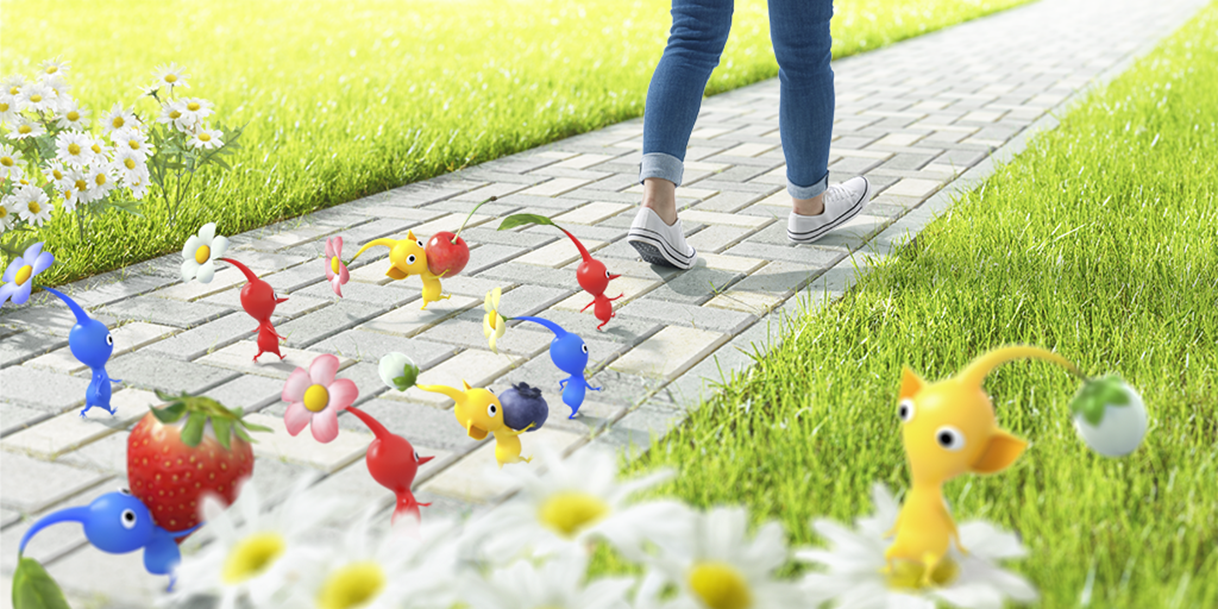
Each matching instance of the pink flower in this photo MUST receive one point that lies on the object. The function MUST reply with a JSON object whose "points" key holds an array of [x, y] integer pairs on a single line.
{"points": [[316, 397], [336, 271]]}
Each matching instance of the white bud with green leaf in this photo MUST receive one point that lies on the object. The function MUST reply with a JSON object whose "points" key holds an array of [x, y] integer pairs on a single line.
{"points": [[1110, 416], [398, 371]]}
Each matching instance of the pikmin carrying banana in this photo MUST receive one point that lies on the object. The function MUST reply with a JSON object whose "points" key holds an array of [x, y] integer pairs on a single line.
{"points": [[949, 429], [480, 412], [409, 257]]}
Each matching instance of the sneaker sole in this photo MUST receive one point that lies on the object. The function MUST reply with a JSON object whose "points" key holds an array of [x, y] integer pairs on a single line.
{"points": [[654, 251], [813, 235]]}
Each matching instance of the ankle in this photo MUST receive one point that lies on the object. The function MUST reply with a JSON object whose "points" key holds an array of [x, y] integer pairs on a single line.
{"points": [[660, 196], [809, 207]]}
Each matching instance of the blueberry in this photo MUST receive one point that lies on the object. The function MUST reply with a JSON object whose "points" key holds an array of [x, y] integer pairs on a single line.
{"points": [[522, 405]]}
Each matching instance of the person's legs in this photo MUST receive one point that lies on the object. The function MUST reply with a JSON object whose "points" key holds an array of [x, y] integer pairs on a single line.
{"points": [[699, 32], [799, 30]]}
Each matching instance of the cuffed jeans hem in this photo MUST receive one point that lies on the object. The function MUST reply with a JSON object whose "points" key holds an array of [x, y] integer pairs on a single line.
{"points": [[661, 165], [807, 192]]}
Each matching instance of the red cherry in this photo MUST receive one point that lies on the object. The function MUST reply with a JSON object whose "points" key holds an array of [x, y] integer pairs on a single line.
{"points": [[444, 255]]}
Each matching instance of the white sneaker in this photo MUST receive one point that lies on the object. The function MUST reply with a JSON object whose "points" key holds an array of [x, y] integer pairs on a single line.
{"points": [[842, 202], [659, 243]]}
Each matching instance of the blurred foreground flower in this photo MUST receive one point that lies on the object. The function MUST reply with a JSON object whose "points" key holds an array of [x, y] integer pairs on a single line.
{"points": [[852, 576], [559, 583]]}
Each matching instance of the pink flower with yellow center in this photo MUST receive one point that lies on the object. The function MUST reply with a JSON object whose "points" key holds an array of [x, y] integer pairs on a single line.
{"points": [[336, 271], [316, 398]]}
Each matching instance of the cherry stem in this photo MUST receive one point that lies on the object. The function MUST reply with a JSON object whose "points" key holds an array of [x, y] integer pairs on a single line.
{"points": [[471, 214]]}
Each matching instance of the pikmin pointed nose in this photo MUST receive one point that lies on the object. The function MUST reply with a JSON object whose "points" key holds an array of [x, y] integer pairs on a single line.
{"points": [[423, 460]]}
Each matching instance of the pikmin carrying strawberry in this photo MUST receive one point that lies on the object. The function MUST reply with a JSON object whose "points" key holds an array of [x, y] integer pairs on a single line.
{"points": [[191, 447]]}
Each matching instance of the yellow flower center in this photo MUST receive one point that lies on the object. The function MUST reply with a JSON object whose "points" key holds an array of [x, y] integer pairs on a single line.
{"points": [[96, 148], [34, 207], [7, 161], [73, 148], [57, 173], [23, 274], [3, 107], [35, 98], [202, 254], [569, 512], [118, 122], [493, 318], [334, 264], [720, 586], [100, 179], [354, 585], [175, 114], [251, 556], [316, 398], [205, 137], [24, 129], [171, 78], [3, 212], [67, 194], [129, 163], [192, 106], [52, 69], [73, 115], [133, 144], [13, 90], [81, 185], [907, 575]]}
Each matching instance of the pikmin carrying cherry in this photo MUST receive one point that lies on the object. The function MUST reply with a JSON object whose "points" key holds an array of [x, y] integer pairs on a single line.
{"points": [[592, 274]]}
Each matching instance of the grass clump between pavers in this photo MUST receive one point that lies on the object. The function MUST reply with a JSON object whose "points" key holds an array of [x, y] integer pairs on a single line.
{"points": [[1098, 242], [345, 100]]}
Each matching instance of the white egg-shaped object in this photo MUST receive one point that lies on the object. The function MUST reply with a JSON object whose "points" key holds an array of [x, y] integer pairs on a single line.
{"points": [[394, 365], [1120, 431]]}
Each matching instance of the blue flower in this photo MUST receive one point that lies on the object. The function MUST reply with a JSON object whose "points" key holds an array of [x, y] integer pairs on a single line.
{"points": [[19, 278]]}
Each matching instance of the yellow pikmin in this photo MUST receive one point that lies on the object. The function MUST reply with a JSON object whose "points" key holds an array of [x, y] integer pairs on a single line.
{"points": [[949, 429], [408, 257], [480, 413]]}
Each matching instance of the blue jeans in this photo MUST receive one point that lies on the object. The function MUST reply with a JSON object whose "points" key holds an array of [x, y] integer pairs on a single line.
{"points": [[799, 30]]}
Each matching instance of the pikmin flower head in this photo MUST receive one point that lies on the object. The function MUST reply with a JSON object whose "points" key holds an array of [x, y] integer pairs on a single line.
{"points": [[336, 271], [200, 253], [20, 274], [316, 398]]}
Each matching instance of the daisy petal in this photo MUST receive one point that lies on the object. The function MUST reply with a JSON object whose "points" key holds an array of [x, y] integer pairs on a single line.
{"points": [[207, 271], [342, 394], [190, 268], [219, 246], [323, 369], [298, 383], [297, 418], [207, 233], [325, 425], [191, 246]]}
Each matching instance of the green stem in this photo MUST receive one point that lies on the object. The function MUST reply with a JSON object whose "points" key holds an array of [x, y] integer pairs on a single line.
{"points": [[471, 214]]}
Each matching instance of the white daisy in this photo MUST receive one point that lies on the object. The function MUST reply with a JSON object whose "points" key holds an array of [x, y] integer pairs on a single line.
{"points": [[578, 501], [53, 67], [102, 180], [77, 190], [200, 252], [391, 569], [721, 567], [195, 110], [205, 139], [132, 139], [129, 164], [119, 118], [32, 205], [37, 97], [171, 76], [59, 86], [557, 584], [149, 90], [261, 555], [853, 578], [100, 149], [10, 163], [171, 113], [74, 148], [139, 187], [8, 107], [12, 84], [72, 116], [7, 216], [23, 127], [55, 172]]}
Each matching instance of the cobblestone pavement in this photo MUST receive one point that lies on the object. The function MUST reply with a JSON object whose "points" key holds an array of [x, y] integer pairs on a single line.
{"points": [[922, 119]]}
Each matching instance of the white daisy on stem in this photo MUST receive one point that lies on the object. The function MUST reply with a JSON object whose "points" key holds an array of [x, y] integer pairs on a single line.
{"points": [[101, 181], [77, 190], [119, 118], [130, 165], [576, 503], [32, 205], [171, 113], [10, 163], [52, 67], [263, 555], [12, 84], [171, 76], [200, 253], [394, 571], [559, 583], [205, 139], [74, 148], [100, 149], [37, 97], [56, 173], [721, 568], [23, 127], [7, 217], [72, 116], [132, 139], [59, 86], [194, 110], [852, 577], [8, 107]]}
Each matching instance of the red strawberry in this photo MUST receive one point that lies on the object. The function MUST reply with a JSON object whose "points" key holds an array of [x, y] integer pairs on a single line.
{"points": [[172, 463]]}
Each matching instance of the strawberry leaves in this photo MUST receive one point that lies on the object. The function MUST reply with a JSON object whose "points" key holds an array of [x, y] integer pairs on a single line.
{"points": [[199, 411]]}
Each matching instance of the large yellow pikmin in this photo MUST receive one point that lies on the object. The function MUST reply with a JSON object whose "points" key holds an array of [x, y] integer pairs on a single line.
{"points": [[949, 429], [409, 257], [480, 413]]}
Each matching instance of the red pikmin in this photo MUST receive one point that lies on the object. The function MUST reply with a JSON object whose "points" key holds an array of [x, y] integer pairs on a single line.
{"points": [[594, 278], [259, 300], [393, 463]]}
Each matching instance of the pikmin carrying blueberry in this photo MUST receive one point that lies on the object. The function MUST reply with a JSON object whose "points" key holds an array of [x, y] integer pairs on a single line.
{"points": [[949, 429]]}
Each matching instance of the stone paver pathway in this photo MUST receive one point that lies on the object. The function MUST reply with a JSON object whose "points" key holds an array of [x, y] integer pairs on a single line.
{"points": [[922, 119]]}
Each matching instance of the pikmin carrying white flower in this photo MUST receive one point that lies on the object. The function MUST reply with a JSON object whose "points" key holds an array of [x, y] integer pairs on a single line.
{"points": [[580, 501], [850, 574]]}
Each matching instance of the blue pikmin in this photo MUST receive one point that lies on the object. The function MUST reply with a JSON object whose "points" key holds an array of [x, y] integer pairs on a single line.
{"points": [[92, 344], [119, 523], [569, 352]]}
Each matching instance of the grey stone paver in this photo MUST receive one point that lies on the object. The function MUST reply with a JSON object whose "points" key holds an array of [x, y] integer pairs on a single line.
{"points": [[925, 119]]}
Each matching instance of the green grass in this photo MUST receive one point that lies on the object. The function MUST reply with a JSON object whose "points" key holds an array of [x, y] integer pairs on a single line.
{"points": [[347, 99], [1097, 242]]}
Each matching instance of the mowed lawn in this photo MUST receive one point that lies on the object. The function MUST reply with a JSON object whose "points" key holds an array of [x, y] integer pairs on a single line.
{"points": [[345, 99], [1098, 242]]}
